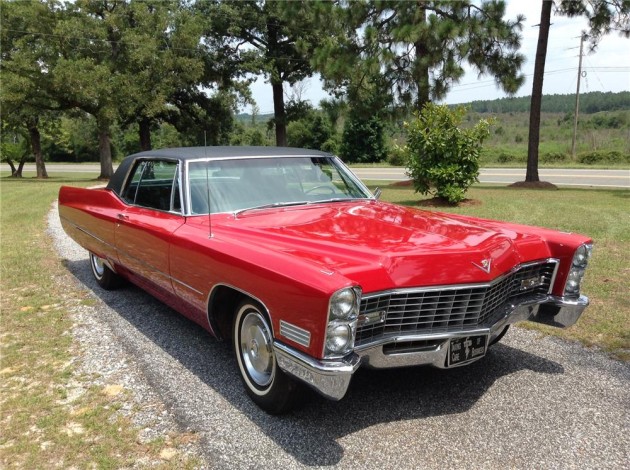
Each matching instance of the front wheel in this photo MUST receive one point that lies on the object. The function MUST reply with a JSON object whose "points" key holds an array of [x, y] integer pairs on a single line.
{"points": [[499, 336], [269, 387], [105, 277]]}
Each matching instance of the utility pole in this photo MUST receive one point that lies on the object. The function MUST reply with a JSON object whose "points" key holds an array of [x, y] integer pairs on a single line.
{"points": [[577, 96]]}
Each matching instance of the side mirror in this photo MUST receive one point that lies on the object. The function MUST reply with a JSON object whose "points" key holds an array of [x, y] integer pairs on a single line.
{"points": [[377, 193]]}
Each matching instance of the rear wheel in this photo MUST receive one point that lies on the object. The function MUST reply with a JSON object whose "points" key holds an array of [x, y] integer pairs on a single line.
{"points": [[105, 277], [268, 386]]}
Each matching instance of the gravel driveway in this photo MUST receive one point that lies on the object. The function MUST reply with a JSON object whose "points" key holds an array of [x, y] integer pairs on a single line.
{"points": [[533, 402]]}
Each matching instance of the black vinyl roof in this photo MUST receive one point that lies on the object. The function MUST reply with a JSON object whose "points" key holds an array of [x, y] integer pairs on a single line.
{"points": [[186, 153], [193, 153]]}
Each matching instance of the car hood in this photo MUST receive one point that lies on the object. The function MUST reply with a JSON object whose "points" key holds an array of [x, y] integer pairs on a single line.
{"points": [[384, 246]]}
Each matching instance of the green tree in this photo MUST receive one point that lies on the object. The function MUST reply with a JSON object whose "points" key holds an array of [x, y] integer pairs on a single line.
{"points": [[603, 16], [312, 131], [420, 47], [26, 95], [128, 62], [175, 76], [443, 157], [264, 39], [86, 75], [162, 56]]}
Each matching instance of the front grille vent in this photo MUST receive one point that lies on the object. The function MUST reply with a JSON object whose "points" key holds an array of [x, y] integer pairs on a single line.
{"points": [[450, 308]]}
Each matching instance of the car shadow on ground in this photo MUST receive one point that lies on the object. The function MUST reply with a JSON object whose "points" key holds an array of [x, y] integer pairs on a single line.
{"points": [[311, 433]]}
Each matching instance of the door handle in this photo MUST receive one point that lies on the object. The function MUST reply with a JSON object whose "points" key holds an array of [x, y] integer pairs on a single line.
{"points": [[123, 217]]}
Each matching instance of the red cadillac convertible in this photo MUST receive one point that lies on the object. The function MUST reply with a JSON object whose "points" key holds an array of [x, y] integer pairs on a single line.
{"points": [[287, 254]]}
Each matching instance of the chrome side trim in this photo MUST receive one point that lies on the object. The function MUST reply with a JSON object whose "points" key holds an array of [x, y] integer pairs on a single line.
{"points": [[107, 262], [295, 333], [189, 287], [329, 378], [145, 264], [87, 232]]}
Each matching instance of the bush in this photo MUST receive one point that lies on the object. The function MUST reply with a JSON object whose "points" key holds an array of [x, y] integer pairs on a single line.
{"points": [[311, 131], [397, 156], [443, 157], [613, 156], [553, 157], [363, 140]]}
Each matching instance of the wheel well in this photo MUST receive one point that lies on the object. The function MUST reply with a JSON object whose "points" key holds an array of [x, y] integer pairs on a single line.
{"points": [[222, 307]]}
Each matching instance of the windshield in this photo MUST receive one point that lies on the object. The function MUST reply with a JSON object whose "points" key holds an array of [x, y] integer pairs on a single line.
{"points": [[232, 185]]}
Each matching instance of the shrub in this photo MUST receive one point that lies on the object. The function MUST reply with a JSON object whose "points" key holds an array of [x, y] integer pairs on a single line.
{"points": [[363, 140], [443, 158], [397, 156], [310, 131], [553, 157], [613, 156]]}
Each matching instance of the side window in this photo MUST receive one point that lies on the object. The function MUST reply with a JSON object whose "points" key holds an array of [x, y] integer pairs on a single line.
{"points": [[129, 194], [154, 184]]}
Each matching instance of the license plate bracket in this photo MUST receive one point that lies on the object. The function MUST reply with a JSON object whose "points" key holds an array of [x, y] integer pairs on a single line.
{"points": [[465, 349]]}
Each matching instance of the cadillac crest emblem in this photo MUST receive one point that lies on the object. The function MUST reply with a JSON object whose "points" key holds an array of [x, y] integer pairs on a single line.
{"points": [[485, 266]]}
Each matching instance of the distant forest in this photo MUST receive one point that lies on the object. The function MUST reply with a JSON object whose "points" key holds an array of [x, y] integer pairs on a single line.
{"points": [[593, 102], [590, 103]]}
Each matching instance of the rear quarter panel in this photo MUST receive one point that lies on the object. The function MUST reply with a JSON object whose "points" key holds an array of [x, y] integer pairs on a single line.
{"points": [[89, 216]]}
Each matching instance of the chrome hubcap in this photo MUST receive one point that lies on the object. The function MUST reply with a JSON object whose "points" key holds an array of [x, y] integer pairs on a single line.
{"points": [[98, 266], [256, 349]]}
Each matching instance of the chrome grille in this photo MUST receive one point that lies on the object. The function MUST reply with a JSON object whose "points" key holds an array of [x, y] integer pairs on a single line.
{"points": [[451, 308]]}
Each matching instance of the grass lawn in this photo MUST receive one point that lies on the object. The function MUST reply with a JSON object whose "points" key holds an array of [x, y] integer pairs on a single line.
{"points": [[41, 426]]}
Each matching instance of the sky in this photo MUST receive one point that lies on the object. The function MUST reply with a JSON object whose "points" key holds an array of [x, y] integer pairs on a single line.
{"points": [[607, 69]]}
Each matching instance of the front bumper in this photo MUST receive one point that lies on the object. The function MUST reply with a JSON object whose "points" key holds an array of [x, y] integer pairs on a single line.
{"points": [[332, 378], [329, 378]]}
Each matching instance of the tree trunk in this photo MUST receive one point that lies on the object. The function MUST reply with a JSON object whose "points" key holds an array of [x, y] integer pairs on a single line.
{"points": [[36, 146], [10, 163], [537, 88], [420, 69], [20, 168], [104, 149], [421, 77], [145, 134], [279, 114]]}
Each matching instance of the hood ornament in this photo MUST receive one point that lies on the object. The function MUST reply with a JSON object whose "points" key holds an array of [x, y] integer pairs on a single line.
{"points": [[485, 266]]}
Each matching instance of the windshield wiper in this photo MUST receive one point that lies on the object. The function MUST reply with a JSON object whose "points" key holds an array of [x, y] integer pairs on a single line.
{"points": [[338, 199], [271, 206]]}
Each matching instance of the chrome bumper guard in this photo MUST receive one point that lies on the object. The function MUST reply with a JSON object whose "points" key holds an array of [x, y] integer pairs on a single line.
{"points": [[332, 378], [329, 378]]}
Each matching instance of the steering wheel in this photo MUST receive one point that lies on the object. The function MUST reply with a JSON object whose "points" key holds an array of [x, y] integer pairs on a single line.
{"points": [[330, 189]]}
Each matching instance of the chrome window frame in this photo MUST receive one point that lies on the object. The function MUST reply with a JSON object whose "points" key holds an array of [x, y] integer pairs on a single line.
{"points": [[348, 172], [177, 177]]}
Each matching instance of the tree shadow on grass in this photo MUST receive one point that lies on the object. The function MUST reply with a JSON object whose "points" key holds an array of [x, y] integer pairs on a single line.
{"points": [[311, 433]]}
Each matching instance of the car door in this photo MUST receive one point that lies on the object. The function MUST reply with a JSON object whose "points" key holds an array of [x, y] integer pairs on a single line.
{"points": [[145, 228]]}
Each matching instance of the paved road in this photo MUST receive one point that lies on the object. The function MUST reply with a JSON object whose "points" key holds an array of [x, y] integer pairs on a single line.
{"points": [[563, 177], [533, 402], [582, 177]]}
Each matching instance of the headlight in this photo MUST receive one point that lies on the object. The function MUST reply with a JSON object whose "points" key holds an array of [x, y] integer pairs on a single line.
{"points": [[342, 322], [338, 337], [343, 305], [576, 273], [582, 255]]}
